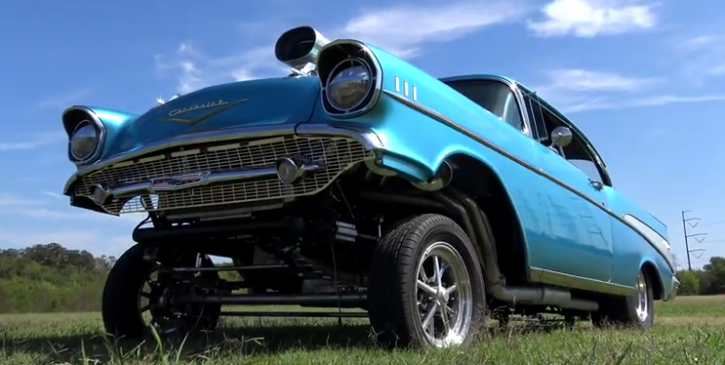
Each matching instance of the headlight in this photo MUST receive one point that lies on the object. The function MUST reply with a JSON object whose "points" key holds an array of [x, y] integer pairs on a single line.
{"points": [[349, 84], [84, 141], [351, 78]]}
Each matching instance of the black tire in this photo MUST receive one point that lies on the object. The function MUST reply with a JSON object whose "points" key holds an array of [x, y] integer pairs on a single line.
{"points": [[121, 295], [393, 280], [623, 311]]}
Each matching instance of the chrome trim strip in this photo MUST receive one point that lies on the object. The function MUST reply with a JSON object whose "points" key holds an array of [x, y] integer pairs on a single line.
{"points": [[442, 119], [377, 86], [94, 119], [368, 138], [577, 282], [147, 187], [664, 248], [203, 137]]}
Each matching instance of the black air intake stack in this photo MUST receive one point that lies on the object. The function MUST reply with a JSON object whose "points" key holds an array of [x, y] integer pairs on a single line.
{"points": [[299, 47]]}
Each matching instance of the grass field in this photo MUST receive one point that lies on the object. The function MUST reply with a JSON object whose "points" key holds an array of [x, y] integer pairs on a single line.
{"points": [[687, 331]]}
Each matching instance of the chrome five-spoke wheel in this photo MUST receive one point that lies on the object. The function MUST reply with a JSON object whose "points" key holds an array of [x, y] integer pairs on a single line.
{"points": [[635, 310], [426, 288], [445, 301], [643, 299]]}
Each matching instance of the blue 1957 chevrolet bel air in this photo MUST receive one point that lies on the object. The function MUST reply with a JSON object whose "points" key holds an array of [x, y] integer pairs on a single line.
{"points": [[361, 181]]}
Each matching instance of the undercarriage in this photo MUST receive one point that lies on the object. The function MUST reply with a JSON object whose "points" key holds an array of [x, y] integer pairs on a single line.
{"points": [[314, 251], [335, 249]]}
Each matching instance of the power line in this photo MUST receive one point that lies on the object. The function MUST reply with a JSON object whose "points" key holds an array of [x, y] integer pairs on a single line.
{"points": [[713, 241], [713, 223]]}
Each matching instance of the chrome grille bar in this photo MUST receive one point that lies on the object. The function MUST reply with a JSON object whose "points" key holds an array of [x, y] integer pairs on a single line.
{"points": [[337, 154]]}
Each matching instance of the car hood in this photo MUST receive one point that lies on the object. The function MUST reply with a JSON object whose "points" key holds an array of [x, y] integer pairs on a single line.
{"points": [[246, 103]]}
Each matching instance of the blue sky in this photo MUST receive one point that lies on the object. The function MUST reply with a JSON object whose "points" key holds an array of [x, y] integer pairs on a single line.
{"points": [[645, 81]]}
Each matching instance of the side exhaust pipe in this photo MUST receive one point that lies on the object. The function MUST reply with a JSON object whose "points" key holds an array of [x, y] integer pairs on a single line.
{"points": [[298, 47]]}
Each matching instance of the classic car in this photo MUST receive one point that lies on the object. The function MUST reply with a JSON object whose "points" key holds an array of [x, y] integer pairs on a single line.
{"points": [[361, 181]]}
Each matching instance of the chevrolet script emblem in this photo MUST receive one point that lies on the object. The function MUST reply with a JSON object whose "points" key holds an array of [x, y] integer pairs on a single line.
{"points": [[178, 182], [220, 105]]}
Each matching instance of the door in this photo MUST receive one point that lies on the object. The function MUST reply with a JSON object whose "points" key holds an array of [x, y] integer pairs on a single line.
{"points": [[581, 232], [581, 239]]}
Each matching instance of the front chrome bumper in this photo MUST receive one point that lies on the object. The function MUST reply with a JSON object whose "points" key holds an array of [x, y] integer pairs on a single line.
{"points": [[232, 166], [674, 288]]}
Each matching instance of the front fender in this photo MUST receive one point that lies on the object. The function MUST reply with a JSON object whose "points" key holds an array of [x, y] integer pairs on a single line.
{"points": [[421, 122]]}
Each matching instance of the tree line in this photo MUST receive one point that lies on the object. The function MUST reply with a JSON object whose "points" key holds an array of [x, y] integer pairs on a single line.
{"points": [[52, 278], [710, 280]]}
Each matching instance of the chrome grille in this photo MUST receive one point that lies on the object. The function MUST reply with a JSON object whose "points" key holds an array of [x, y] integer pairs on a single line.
{"points": [[337, 153]]}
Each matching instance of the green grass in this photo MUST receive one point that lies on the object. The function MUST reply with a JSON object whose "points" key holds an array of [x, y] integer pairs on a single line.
{"points": [[687, 331]]}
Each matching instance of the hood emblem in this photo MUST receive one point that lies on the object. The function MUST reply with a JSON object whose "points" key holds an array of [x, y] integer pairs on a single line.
{"points": [[220, 105]]}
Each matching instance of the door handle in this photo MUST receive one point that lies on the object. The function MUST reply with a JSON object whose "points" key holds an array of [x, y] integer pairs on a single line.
{"points": [[596, 184]]}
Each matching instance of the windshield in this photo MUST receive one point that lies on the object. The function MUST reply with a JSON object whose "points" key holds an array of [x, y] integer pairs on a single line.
{"points": [[493, 95]]}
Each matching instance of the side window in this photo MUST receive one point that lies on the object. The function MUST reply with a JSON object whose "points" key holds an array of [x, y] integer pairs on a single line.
{"points": [[588, 167], [578, 153], [495, 96], [536, 116]]}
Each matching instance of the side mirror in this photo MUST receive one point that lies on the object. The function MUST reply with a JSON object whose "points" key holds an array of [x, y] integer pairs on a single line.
{"points": [[561, 137]]}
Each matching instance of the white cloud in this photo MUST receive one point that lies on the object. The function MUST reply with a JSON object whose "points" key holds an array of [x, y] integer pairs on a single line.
{"points": [[53, 194], [656, 100], [702, 42], [576, 90], [39, 209], [587, 80], [72, 214], [402, 30], [702, 55], [65, 100], [194, 69], [38, 140], [590, 18], [573, 89], [11, 201]]}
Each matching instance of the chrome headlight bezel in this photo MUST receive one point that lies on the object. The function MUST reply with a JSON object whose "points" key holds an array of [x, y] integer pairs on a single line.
{"points": [[79, 118], [332, 61]]}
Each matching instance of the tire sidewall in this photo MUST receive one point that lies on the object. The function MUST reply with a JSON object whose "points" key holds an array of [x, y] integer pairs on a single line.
{"points": [[452, 234], [633, 303], [125, 281]]}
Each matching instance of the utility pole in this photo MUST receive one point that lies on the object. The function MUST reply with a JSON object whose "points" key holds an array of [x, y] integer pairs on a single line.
{"points": [[699, 237]]}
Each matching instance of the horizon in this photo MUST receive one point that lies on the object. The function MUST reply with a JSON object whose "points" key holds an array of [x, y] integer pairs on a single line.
{"points": [[643, 81]]}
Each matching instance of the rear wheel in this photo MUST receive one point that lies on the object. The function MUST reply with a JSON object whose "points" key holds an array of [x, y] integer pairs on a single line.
{"points": [[426, 288], [636, 310]]}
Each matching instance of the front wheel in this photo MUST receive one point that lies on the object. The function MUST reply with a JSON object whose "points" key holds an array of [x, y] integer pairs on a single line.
{"points": [[636, 310], [138, 294], [425, 286]]}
